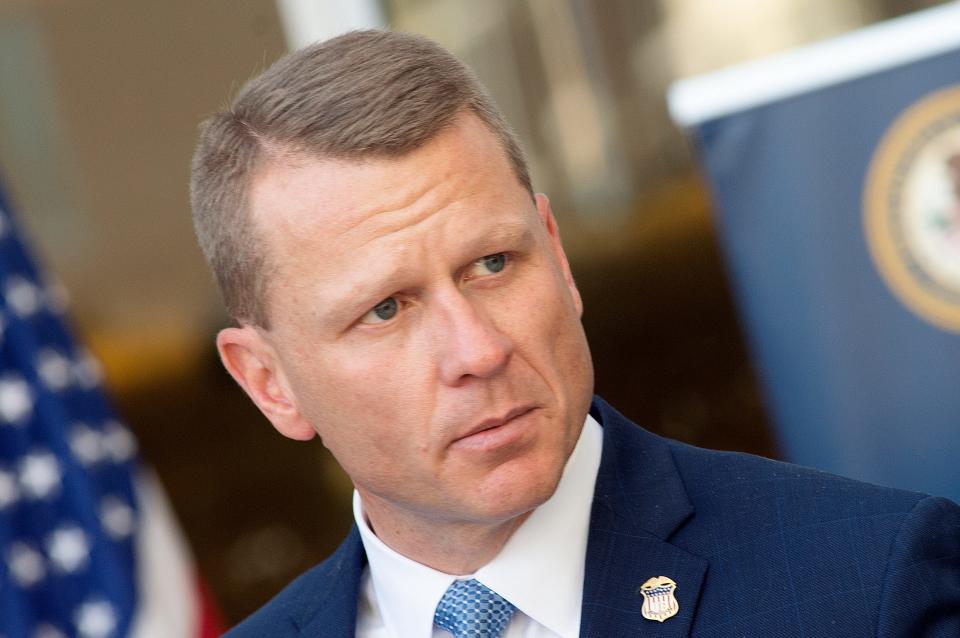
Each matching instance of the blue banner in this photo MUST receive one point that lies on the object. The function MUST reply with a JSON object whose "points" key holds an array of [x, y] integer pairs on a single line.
{"points": [[839, 213]]}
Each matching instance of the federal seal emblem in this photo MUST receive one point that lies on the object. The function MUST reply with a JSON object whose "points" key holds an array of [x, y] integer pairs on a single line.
{"points": [[658, 600], [912, 208]]}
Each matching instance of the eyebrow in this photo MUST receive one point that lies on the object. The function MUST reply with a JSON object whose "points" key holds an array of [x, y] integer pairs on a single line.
{"points": [[502, 236], [372, 286]]}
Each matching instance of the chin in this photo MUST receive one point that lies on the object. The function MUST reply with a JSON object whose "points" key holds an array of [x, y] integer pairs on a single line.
{"points": [[514, 492]]}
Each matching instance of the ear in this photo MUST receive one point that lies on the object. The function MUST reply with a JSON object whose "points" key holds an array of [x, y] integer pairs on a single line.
{"points": [[553, 233], [252, 362]]}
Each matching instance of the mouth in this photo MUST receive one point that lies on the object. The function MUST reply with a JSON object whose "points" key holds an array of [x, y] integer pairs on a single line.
{"points": [[496, 431]]}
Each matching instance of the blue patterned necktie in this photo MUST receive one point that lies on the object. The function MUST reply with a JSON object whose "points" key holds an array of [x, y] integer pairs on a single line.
{"points": [[468, 609]]}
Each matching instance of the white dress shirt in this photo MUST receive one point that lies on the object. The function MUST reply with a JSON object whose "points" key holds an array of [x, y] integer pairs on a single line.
{"points": [[539, 570]]}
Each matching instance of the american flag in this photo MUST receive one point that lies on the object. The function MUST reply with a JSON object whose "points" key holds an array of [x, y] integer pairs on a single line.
{"points": [[71, 507]]}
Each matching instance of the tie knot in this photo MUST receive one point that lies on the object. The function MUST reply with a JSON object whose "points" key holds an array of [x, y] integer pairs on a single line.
{"points": [[469, 609]]}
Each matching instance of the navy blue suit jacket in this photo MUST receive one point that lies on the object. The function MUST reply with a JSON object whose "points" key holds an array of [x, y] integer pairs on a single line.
{"points": [[756, 547]]}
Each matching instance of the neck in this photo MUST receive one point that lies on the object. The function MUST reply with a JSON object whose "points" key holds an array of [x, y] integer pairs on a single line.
{"points": [[452, 547]]}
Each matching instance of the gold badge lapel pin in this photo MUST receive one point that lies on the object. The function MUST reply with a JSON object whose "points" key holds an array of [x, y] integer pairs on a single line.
{"points": [[659, 602]]}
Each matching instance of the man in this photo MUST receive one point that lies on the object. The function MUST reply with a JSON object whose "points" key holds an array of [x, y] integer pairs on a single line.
{"points": [[400, 291]]}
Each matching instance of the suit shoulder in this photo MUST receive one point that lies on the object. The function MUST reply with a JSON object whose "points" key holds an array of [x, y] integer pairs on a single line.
{"points": [[721, 479], [924, 567], [850, 556]]}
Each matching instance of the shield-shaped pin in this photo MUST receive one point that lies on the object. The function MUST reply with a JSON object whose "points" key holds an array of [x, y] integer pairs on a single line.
{"points": [[658, 600]]}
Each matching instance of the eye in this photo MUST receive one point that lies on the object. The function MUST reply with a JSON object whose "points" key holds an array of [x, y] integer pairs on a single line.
{"points": [[383, 311], [490, 264]]}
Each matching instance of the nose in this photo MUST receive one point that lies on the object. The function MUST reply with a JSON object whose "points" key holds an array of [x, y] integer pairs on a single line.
{"points": [[470, 344]]}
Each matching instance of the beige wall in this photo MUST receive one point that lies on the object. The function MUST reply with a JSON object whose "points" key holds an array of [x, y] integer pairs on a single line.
{"points": [[131, 80]]}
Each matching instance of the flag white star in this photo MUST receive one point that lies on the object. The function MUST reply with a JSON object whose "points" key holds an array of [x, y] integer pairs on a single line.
{"points": [[22, 296], [16, 401], [118, 442], [26, 564], [9, 492], [39, 475], [95, 619], [68, 549], [86, 444], [117, 517], [54, 369]]}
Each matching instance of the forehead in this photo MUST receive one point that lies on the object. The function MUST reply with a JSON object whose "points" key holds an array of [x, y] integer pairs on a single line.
{"points": [[343, 215]]}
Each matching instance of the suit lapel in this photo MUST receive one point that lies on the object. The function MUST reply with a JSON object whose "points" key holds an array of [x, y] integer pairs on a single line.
{"points": [[639, 502], [331, 610]]}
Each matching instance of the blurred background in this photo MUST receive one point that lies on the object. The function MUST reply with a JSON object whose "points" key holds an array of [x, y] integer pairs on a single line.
{"points": [[99, 106]]}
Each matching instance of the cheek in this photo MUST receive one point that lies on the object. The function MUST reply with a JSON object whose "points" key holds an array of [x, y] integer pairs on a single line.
{"points": [[557, 345], [360, 394], [551, 314]]}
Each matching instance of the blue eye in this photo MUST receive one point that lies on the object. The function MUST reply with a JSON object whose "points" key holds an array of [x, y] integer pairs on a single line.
{"points": [[494, 263], [383, 311]]}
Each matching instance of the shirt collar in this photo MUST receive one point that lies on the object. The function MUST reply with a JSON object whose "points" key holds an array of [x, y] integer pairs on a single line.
{"points": [[550, 544]]}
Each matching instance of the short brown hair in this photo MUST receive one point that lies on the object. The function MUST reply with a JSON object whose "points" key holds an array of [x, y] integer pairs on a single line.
{"points": [[362, 94]]}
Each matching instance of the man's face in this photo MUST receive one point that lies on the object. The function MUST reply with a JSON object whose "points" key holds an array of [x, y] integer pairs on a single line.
{"points": [[424, 322]]}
